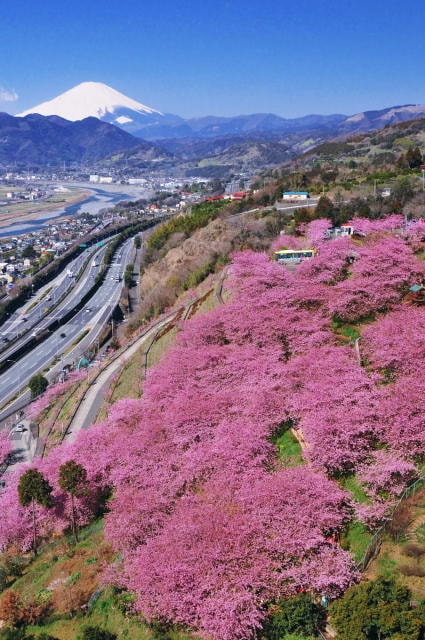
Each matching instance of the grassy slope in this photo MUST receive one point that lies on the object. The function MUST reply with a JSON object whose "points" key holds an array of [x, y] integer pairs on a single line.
{"points": [[392, 555], [73, 573]]}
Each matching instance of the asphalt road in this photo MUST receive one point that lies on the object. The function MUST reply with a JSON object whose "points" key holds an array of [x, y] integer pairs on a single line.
{"points": [[60, 347]]}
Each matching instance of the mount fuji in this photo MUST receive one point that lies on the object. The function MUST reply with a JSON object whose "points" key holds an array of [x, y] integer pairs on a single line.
{"points": [[98, 100]]}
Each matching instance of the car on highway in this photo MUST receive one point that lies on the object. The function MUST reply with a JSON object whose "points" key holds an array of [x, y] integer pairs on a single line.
{"points": [[19, 428]]}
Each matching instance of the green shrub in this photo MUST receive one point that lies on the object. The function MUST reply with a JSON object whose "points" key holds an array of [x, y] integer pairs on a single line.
{"points": [[299, 615], [93, 632]]}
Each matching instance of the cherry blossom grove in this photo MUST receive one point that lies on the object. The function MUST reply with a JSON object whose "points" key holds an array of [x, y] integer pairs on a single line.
{"points": [[210, 524]]}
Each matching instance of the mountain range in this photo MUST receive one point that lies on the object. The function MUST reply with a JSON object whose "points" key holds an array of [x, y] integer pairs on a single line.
{"points": [[95, 99], [51, 140], [93, 123]]}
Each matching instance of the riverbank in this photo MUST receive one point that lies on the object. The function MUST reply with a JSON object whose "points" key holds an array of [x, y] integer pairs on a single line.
{"points": [[35, 209], [73, 200]]}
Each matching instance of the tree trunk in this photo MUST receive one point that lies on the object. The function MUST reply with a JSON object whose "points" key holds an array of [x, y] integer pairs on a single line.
{"points": [[74, 519], [34, 530]]}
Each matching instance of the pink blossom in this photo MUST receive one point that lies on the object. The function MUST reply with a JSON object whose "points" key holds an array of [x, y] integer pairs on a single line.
{"points": [[389, 223], [5, 446], [387, 474]]}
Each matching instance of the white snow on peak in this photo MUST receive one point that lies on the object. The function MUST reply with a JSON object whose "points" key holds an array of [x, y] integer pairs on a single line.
{"points": [[88, 99], [123, 120]]}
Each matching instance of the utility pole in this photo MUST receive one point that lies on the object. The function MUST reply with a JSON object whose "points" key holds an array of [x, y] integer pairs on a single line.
{"points": [[422, 168]]}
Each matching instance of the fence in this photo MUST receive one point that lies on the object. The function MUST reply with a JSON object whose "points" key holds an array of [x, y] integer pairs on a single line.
{"points": [[375, 543]]}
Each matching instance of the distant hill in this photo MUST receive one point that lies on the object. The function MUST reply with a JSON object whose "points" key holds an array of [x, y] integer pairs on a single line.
{"points": [[372, 120], [51, 140], [93, 121], [216, 126], [95, 99], [378, 148]]}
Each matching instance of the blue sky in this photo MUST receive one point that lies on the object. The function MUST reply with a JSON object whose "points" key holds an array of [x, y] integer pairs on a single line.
{"points": [[202, 57]]}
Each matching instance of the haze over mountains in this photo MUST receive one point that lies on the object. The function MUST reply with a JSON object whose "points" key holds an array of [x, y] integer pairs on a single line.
{"points": [[95, 99], [95, 123], [51, 140], [98, 100]]}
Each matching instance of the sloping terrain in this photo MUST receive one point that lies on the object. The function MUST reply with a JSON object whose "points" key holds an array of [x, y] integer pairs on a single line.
{"points": [[207, 505], [40, 140]]}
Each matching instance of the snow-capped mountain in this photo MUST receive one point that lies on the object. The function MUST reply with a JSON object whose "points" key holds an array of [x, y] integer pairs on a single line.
{"points": [[90, 99], [95, 99]]}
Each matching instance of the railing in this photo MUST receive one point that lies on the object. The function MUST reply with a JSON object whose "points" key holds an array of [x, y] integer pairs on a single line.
{"points": [[374, 545]]}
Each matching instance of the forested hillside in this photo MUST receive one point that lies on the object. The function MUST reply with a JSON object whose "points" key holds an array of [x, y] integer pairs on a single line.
{"points": [[215, 515]]}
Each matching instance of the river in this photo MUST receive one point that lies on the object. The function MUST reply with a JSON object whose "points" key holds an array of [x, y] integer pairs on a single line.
{"points": [[100, 199]]}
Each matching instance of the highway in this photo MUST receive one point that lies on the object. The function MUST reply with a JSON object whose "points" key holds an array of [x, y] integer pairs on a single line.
{"points": [[30, 317], [67, 344]]}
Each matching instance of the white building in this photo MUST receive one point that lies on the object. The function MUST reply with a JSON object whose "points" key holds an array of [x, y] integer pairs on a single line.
{"points": [[294, 196], [137, 181]]}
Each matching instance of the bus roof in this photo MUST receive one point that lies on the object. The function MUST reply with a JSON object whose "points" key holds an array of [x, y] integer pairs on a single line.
{"points": [[286, 251]]}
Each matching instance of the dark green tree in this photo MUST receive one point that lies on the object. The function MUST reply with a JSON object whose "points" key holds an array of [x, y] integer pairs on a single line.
{"points": [[37, 385], [128, 275], [329, 176], [302, 215], [414, 158], [299, 615], [29, 252], [93, 632], [378, 610], [216, 186], [117, 314], [34, 488], [401, 193], [137, 242], [73, 480], [325, 208], [15, 634]]}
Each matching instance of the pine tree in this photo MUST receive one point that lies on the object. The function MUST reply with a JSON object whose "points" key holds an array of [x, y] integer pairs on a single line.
{"points": [[72, 479], [34, 488]]}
